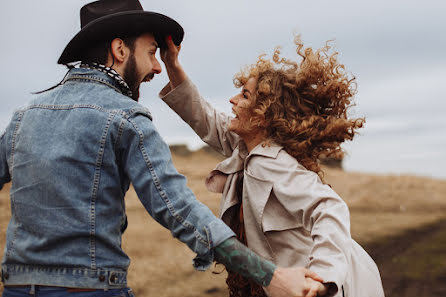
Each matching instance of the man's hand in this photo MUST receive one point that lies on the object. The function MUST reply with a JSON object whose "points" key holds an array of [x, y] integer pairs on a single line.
{"points": [[174, 70], [295, 282]]}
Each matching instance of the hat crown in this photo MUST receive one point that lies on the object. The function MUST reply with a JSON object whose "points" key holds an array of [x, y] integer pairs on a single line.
{"points": [[101, 8], [103, 20]]}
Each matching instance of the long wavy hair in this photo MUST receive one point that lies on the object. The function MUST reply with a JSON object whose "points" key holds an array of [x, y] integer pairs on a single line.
{"points": [[303, 105]]}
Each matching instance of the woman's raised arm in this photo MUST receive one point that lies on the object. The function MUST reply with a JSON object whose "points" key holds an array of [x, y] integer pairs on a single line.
{"points": [[183, 97]]}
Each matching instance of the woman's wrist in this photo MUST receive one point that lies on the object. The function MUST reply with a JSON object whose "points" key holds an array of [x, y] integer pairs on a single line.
{"points": [[176, 73]]}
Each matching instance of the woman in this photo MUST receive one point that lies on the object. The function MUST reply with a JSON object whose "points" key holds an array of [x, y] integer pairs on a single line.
{"points": [[288, 115]]}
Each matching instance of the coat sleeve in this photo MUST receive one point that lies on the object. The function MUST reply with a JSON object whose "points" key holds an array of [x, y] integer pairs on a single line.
{"points": [[210, 124], [320, 210], [146, 160]]}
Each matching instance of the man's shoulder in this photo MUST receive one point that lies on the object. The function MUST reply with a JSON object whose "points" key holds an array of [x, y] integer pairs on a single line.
{"points": [[111, 100], [103, 99]]}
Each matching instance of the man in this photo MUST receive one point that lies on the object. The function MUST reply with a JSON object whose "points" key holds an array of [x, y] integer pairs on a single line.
{"points": [[72, 153]]}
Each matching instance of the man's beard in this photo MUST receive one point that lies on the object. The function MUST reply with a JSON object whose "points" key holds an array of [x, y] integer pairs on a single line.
{"points": [[131, 77]]}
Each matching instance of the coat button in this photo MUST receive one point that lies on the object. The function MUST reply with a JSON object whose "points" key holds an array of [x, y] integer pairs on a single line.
{"points": [[113, 277], [6, 275], [101, 278]]}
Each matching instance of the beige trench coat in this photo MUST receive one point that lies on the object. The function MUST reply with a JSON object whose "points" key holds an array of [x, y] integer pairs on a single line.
{"points": [[291, 217]]}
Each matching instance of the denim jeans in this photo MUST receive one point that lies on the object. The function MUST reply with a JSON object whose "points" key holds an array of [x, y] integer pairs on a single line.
{"points": [[44, 291]]}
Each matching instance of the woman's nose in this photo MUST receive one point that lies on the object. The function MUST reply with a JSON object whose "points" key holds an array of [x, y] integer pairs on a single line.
{"points": [[233, 100]]}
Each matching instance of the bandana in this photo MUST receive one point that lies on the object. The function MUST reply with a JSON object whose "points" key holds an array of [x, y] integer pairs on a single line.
{"points": [[124, 87]]}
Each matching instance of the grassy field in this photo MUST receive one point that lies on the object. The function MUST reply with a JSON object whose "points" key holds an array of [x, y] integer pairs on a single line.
{"points": [[398, 219]]}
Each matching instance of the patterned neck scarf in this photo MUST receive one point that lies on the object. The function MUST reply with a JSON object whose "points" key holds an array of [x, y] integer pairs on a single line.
{"points": [[125, 89]]}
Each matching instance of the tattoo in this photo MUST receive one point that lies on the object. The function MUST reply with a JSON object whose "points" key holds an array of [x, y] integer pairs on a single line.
{"points": [[238, 258]]}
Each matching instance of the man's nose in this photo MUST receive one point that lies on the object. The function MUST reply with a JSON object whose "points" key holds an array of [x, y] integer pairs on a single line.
{"points": [[156, 67]]}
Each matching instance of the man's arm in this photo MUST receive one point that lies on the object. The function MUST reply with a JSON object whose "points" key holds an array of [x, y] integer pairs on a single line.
{"points": [[236, 257], [146, 160]]}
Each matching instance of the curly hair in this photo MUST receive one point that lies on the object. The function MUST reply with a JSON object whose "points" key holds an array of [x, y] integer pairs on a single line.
{"points": [[303, 105]]}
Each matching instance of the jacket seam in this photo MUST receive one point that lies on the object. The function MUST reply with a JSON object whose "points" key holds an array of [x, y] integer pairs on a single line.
{"points": [[120, 132], [67, 107], [11, 168], [96, 180], [93, 79], [88, 273], [141, 110], [161, 192], [123, 113], [62, 269]]}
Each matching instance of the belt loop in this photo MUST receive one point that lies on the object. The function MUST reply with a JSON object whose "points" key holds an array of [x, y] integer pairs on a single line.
{"points": [[32, 290]]}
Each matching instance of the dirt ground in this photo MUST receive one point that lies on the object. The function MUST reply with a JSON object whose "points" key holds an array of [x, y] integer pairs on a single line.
{"points": [[413, 263], [400, 220]]}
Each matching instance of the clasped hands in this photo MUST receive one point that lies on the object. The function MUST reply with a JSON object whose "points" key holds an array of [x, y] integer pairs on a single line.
{"points": [[295, 282]]}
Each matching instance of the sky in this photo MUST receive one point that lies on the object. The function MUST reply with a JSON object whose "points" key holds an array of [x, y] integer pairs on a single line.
{"points": [[395, 49]]}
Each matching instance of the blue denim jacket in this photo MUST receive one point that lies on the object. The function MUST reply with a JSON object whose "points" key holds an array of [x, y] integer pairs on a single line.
{"points": [[71, 155]]}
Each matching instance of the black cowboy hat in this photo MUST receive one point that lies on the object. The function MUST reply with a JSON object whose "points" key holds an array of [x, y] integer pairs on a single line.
{"points": [[104, 20]]}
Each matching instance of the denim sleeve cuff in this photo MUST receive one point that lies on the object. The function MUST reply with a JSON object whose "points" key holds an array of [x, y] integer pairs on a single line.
{"points": [[217, 232]]}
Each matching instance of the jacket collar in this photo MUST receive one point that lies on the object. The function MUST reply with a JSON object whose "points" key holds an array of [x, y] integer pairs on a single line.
{"points": [[240, 156], [270, 150], [83, 74]]}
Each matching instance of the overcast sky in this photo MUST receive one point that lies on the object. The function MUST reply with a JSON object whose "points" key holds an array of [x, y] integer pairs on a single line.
{"points": [[396, 49]]}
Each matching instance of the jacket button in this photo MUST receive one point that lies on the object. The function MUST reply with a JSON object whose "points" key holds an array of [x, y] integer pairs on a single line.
{"points": [[6, 275], [101, 278], [113, 277]]}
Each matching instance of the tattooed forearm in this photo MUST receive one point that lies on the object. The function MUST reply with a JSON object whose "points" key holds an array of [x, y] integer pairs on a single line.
{"points": [[238, 258]]}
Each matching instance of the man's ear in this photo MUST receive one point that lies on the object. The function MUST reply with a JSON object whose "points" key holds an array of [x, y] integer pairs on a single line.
{"points": [[119, 50]]}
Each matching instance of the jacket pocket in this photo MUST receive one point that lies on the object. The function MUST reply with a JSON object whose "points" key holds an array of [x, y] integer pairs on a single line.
{"points": [[288, 240], [256, 194], [277, 218]]}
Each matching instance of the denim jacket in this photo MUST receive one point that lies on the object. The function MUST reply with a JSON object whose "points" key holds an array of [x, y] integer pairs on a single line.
{"points": [[71, 155]]}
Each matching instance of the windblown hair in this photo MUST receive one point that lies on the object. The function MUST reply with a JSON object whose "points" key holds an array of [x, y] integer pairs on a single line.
{"points": [[303, 105]]}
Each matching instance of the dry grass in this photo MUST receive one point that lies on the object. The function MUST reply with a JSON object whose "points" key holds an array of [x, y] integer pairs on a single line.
{"points": [[381, 206]]}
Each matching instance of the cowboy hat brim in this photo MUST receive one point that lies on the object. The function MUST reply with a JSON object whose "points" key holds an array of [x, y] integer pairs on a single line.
{"points": [[120, 25]]}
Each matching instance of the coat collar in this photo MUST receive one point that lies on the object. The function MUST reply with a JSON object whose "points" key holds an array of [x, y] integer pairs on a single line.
{"points": [[241, 155], [270, 150]]}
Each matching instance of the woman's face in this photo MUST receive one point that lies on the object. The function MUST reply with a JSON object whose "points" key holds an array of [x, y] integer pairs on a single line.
{"points": [[240, 107]]}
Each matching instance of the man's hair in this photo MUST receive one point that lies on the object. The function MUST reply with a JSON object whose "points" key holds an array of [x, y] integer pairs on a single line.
{"points": [[98, 53]]}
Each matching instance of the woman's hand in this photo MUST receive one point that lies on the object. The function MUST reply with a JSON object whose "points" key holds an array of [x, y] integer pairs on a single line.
{"points": [[295, 282], [169, 56], [315, 288]]}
